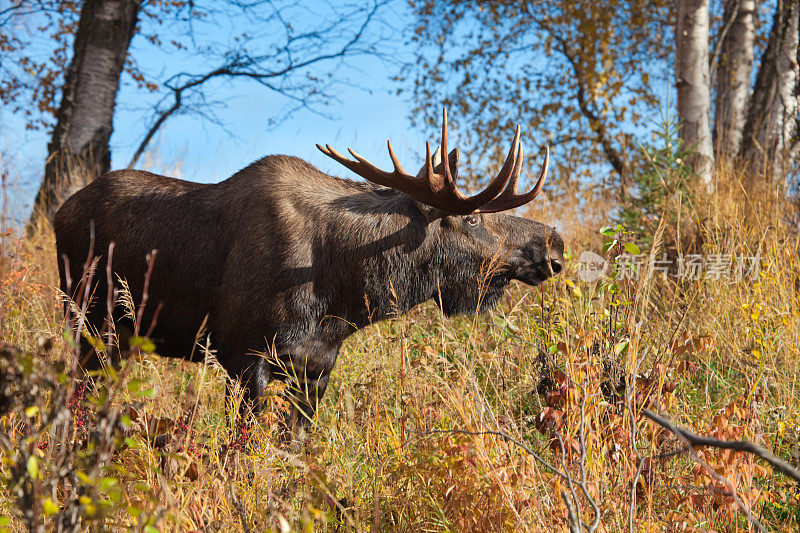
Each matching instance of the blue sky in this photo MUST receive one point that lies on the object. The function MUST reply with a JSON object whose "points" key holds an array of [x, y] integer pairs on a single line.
{"points": [[363, 115]]}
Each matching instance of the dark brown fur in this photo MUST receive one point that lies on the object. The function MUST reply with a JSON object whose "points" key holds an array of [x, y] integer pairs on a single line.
{"points": [[281, 257]]}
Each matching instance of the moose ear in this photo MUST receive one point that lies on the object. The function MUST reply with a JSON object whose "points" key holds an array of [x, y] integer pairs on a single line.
{"points": [[437, 162], [453, 160]]}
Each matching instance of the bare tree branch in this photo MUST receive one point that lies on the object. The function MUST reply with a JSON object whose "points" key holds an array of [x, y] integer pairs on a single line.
{"points": [[683, 435], [640, 461], [574, 523], [263, 68], [237, 504], [736, 445]]}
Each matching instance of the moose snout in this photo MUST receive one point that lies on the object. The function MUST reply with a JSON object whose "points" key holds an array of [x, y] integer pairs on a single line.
{"points": [[540, 257], [533, 270], [555, 251], [556, 258]]}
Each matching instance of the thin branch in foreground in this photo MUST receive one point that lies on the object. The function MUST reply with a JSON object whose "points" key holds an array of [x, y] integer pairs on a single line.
{"points": [[574, 526], [237, 504], [640, 461], [737, 445], [691, 440]]}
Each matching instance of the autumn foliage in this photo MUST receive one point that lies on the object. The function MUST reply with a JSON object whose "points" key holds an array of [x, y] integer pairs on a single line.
{"points": [[512, 420]]}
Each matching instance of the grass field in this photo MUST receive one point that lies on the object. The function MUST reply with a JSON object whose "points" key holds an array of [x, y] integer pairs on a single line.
{"points": [[437, 424]]}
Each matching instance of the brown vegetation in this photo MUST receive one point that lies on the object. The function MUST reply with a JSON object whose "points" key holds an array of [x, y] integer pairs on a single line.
{"points": [[443, 424]]}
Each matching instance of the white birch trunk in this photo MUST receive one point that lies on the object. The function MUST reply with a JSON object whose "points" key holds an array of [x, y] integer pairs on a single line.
{"points": [[771, 143], [733, 77], [694, 91]]}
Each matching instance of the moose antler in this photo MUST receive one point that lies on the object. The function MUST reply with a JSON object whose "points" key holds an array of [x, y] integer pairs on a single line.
{"points": [[509, 199], [440, 190]]}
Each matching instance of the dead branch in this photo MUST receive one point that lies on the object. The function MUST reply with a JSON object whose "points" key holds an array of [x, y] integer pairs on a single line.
{"points": [[269, 70], [237, 504], [689, 450], [737, 445]]}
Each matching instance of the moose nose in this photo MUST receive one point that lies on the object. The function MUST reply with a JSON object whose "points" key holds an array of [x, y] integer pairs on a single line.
{"points": [[556, 261]]}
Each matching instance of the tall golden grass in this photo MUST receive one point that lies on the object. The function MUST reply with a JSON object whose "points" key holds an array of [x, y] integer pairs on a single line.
{"points": [[438, 424]]}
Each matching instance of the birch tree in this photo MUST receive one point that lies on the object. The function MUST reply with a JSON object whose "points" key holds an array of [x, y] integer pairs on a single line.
{"points": [[582, 73], [79, 149], [771, 132], [734, 69], [693, 85]]}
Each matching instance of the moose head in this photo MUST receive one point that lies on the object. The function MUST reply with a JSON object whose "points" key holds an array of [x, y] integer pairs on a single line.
{"points": [[479, 249]]}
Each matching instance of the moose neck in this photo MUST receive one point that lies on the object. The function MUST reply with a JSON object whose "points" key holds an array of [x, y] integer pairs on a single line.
{"points": [[391, 257]]}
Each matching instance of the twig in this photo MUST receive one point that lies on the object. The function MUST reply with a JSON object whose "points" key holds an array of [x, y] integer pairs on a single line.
{"points": [[688, 437], [88, 273], [145, 292], [375, 527], [576, 512], [736, 445], [639, 459], [574, 526], [110, 300], [237, 504], [595, 508]]}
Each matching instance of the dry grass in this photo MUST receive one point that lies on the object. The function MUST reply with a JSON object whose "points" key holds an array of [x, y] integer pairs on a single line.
{"points": [[431, 423]]}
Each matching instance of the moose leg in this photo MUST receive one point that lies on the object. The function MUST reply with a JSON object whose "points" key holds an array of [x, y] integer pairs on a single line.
{"points": [[253, 374], [249, 372], [307, 376], [304, 397]]}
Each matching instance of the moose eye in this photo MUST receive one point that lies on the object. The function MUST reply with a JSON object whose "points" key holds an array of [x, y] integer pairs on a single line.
{"points": [[472, 220]]}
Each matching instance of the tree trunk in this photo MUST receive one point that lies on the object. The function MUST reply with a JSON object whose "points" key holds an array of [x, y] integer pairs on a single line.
{"points": [[78, 150], [733, 77], [770, 137], [694, 92]]}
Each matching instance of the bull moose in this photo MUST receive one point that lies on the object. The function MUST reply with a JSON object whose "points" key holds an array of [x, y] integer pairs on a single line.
{"points": [[283, 259]]}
